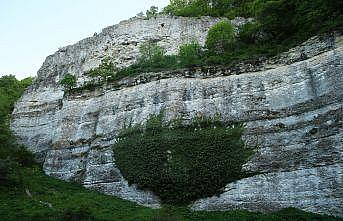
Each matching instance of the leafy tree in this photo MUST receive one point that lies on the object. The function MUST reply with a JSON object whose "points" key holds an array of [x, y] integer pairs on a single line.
{"points": [[249, 33], [187, 8], [152, 12], [105, 70], [151, 53], [220, 38], [293, 20], [217, 8]]}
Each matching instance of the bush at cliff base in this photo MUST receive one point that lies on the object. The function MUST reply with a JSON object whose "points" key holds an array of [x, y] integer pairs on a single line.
{"points": [[181, 163]]}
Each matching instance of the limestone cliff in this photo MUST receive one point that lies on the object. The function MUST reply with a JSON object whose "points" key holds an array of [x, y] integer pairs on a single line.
{"points": [[292, 106]]}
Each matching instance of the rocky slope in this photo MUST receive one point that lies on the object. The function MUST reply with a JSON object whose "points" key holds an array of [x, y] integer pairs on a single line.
{"points": [[292, 106]]}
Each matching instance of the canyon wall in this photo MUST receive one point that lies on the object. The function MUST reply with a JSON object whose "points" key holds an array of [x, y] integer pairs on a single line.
{"points": [[292, 106]]}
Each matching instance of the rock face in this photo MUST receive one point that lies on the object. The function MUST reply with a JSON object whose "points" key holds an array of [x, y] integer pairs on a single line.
{"points": [[293, 108], [121, 44]]}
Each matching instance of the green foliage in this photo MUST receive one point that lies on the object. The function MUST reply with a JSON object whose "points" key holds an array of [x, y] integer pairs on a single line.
{"points": [[293, 21], [249, 34], [216, 8], [220, 38], [152, 58], [77, 214], [181, 163], [6, 167], [152, 12], [10, 91], [190, 54], [184, 8], [279, 25], [70, 201], [68, 81], [151, 53], [12, 155], [105, 71]]}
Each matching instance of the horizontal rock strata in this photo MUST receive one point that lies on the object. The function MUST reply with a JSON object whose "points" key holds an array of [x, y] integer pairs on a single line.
{"points": [[293, 112]]}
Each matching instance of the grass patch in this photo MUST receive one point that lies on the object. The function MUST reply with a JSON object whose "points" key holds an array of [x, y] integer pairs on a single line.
{"points": [[71, 202]]}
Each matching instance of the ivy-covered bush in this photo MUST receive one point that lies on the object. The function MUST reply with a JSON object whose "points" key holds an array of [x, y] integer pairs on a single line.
{"points": [[181, 163]]}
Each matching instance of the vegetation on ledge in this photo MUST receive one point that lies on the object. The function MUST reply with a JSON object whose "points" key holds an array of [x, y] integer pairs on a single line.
{"points": [[277, 27]]}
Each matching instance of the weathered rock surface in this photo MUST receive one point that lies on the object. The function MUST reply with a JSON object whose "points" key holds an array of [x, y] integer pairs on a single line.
{"points": [[121, 44], [293, 109]]}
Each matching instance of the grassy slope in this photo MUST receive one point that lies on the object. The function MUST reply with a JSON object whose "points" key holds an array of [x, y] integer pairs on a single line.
{"points": [[72, 202]]}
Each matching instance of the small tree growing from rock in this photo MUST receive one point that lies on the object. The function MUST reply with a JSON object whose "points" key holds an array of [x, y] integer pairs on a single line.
{"points": [[152, 12], [190, 54], [68, 81], [151, 53]]}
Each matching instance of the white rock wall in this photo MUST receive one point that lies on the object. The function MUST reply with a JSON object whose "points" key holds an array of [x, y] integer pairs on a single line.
{"points": [[121, 43], [293, 112]]}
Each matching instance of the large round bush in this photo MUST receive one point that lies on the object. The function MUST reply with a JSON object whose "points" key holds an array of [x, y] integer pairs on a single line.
{"points": [[181, 163]]}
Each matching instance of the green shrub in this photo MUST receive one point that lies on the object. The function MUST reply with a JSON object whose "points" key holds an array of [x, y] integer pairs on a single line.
{"points": [[292, 21], [12, 158], [68, 81], [152, 59], [6, 165], [167, 214], [182, 163], [220, 38], [282, 25], [10, 90], [12, 155], [151, 53], [77, 214], [216, 8], [190, 54], [152, 12], [249, 34], [104, 71], [23, 157], [194, 8]]}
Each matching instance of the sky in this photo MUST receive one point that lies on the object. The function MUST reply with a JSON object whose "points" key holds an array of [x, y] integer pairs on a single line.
{"points": [[30, 30]]}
